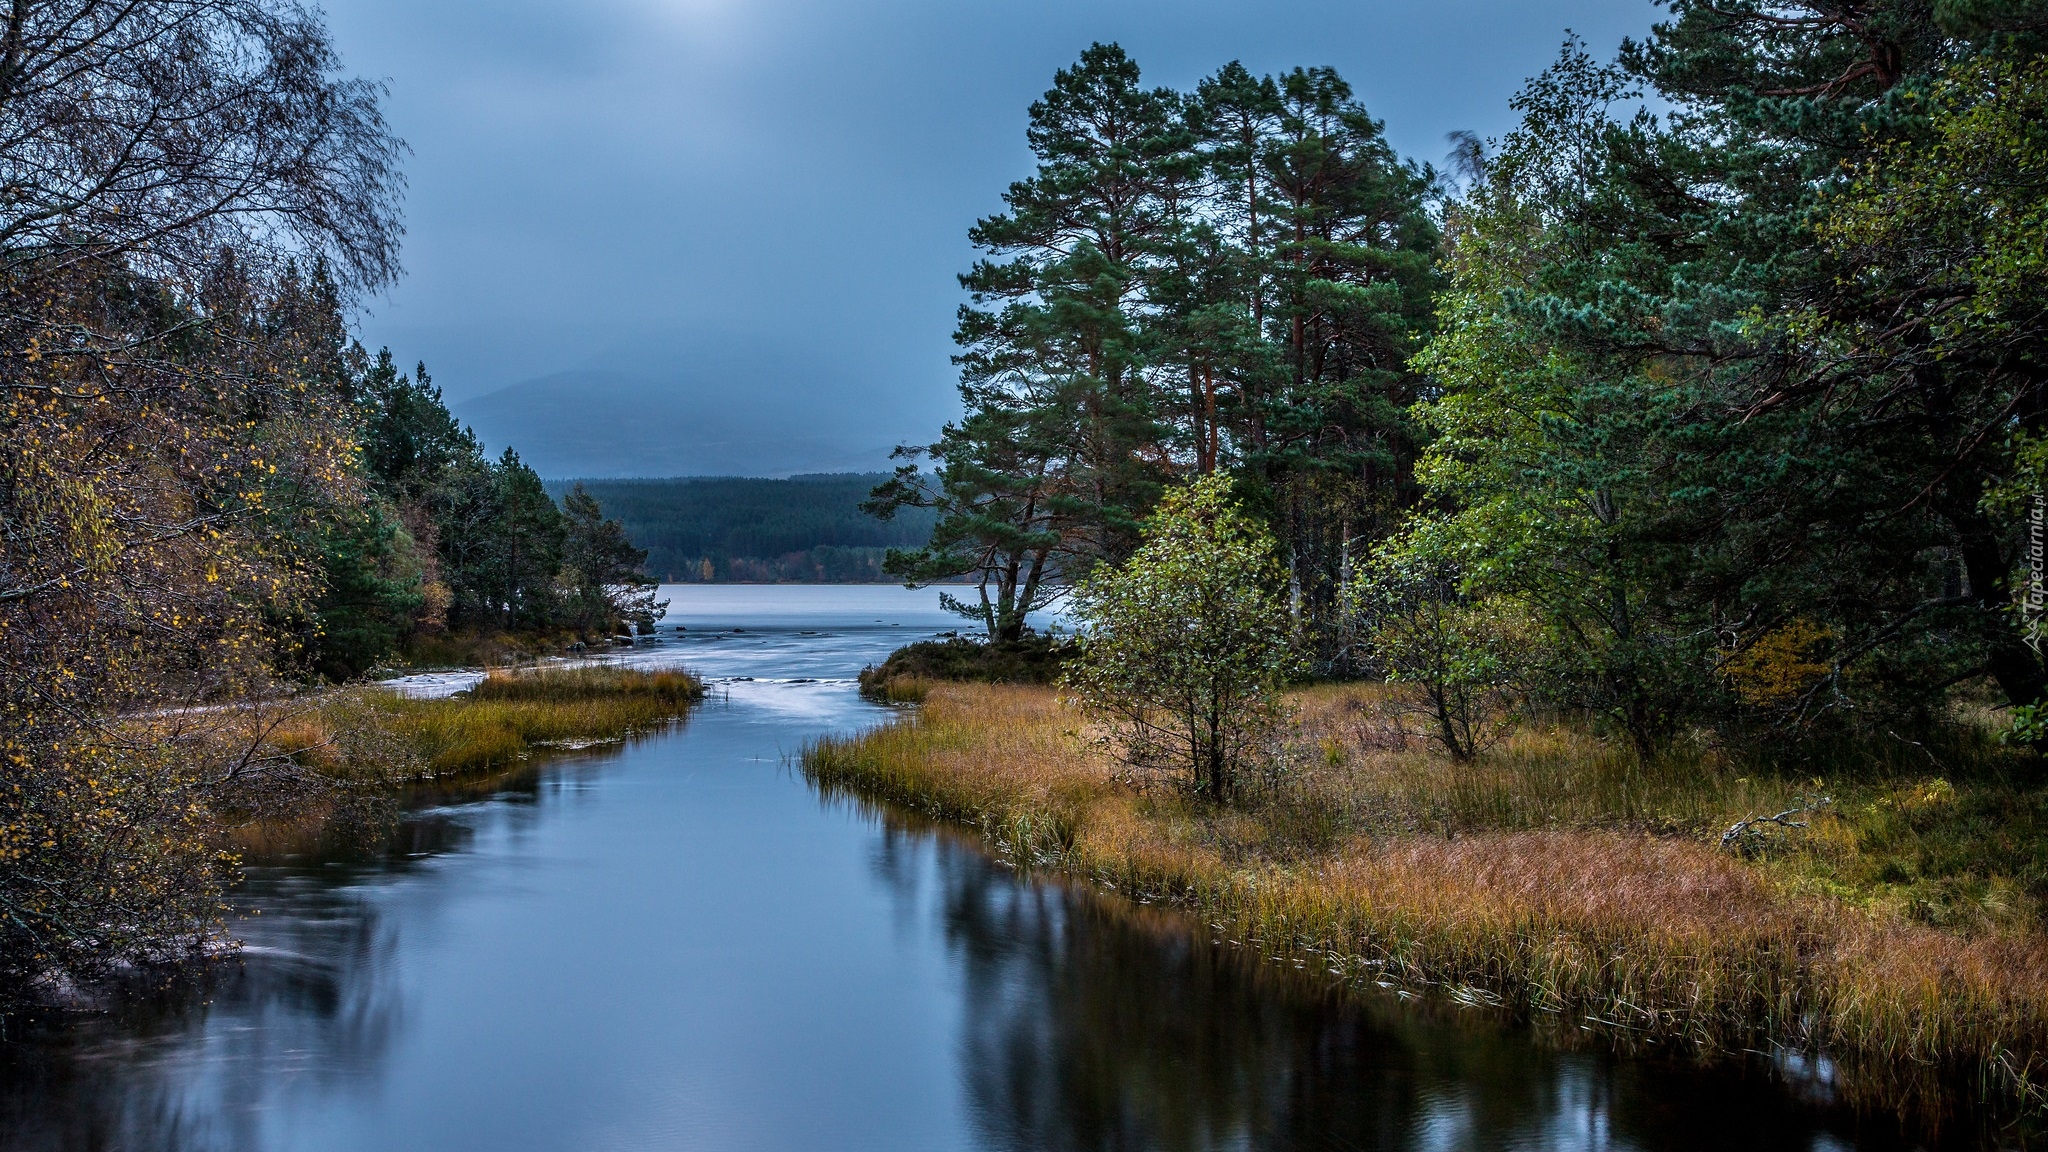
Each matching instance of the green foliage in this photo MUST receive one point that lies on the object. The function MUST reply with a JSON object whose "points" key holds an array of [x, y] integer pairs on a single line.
{"points": [[1229, 280], [1956, 222], [371, 589], [1342, 293], [411, 443], [1546, 457], [602, 579], [1187, 643], [519, 554], [1036, 659], [1462, 655], [1752, 369], [1046, 472], [2029, 726], [485, 548]]}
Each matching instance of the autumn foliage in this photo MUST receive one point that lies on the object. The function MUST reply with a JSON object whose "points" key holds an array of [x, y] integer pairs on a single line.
{"points": [[169, 318]]}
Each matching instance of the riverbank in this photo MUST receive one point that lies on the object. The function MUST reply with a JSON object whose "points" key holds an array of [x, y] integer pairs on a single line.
{"points": [[1554, 877], [368, 733]]}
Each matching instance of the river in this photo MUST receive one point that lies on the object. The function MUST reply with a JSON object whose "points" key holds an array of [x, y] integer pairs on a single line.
{"points": [[676, 943]]}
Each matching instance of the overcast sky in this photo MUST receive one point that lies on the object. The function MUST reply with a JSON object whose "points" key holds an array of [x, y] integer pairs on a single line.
{"points": [[665, 187]]}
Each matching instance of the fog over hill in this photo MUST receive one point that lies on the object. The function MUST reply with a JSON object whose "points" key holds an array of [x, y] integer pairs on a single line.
{"points": [[599, 423]]}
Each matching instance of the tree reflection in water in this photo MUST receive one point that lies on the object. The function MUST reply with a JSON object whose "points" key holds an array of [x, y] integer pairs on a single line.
{"points": [[1091, 1024], [311, 1007], [1083, 1022]]}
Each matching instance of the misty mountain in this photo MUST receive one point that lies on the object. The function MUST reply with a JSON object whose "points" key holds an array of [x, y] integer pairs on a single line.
{"points": [[612, 424]]}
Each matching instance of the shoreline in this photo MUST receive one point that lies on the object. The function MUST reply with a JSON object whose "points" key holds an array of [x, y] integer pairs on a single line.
{"points": [[371, 744], [1648, 939], [385, 734]]}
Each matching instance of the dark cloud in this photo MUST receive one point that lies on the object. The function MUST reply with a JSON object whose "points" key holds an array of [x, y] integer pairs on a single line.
{"points": [[653, 188]]}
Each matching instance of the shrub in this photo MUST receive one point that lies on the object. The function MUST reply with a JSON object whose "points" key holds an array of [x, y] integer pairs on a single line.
{"points": [[1187, 642], [1421, 630], [1035, 659]]}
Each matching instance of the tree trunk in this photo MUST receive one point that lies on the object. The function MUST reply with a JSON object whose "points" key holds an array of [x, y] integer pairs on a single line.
{"points": [[1215, 757]]}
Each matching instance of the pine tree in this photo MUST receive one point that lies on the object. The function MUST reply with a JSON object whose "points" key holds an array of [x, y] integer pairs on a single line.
{"points": [[1350, 280], [1236, 119], [371, 591], [1056, 460], [601, 570], [1231, 281]]}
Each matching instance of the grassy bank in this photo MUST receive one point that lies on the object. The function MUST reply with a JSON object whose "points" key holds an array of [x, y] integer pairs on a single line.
{"points": [[371, 734], [1899, 930]]}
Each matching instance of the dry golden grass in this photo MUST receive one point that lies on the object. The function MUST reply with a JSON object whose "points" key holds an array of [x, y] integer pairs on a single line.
{"points": [[1555, 876], [373, 735]]}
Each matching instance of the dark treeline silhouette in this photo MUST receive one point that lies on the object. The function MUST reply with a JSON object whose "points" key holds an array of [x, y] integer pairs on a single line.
{"points": [[718, 529]]}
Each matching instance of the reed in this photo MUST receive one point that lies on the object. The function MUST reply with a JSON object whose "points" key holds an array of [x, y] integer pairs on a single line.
{"points": [[582, 683], [368, 734], [1556, 877]]}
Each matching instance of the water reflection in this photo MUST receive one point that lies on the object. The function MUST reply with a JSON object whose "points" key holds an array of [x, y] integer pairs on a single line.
{"points": [[312, 1007], [309, 1008], [1092, 1025], [672, 944]]}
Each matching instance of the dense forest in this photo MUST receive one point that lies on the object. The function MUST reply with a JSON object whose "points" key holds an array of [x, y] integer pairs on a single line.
{"points": [[208, 493], [1712, 393], [447, 539], [806, 529]]}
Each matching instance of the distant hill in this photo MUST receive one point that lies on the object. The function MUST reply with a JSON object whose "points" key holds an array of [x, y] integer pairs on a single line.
{"points": [[804, 529], [612, 425]]}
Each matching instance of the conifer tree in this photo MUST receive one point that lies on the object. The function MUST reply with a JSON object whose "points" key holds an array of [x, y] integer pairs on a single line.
{"points": [[1230, 281], [1052, 466], [1700, 401], [1350, 279], [601, 570]]}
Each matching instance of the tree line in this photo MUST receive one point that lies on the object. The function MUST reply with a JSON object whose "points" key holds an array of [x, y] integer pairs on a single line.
{"points": [[735, 529], [208, 494], [447, 538], [1710, 394]]}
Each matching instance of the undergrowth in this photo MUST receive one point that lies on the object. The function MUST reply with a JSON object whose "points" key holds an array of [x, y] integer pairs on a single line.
{"points": [[467, 649], [1036, 659]]}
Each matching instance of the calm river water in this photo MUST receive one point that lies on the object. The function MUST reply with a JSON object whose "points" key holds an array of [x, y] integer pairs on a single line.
{"points": [[678, 944]]}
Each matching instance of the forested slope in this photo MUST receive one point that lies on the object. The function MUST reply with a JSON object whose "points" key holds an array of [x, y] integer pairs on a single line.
{"points": [[806, 529]]}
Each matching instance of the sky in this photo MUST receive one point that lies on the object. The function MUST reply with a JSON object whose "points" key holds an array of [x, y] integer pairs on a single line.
{"points": [[754, 211]]}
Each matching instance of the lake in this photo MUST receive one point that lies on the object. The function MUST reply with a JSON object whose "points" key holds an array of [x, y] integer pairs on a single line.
{"points": [[678, 944]]}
